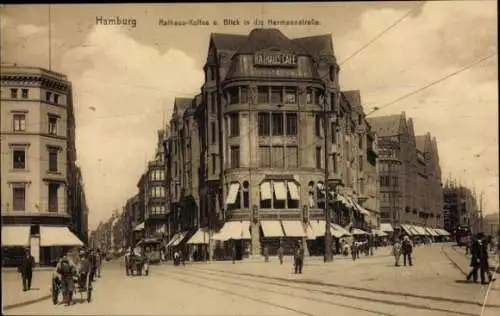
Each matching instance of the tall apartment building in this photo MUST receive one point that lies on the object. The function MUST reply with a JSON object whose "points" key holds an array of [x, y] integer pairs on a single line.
{"points": [[39, 191], [461, 207], [410, 175], [247, 155]]}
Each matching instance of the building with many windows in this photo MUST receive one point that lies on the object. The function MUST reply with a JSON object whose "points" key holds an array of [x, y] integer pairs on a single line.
{"points": [[410, 175], [461, 208], [246, 158], [42, 197]]}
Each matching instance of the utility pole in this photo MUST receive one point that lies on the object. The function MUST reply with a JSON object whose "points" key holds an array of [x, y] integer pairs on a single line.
{"points": [[328, 256]]}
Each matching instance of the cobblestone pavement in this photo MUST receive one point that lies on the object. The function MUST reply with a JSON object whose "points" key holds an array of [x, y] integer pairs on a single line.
{"points": [[370, 286]]}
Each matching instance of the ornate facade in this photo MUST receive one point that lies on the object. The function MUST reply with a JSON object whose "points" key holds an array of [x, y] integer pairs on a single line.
{"points": [[249, 151]]}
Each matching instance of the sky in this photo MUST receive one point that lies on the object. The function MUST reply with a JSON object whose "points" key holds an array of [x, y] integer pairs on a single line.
{"points": [[125, 78]]}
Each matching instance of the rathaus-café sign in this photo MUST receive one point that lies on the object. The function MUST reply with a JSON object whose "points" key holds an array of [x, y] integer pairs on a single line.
{"points": [[275, 59]]}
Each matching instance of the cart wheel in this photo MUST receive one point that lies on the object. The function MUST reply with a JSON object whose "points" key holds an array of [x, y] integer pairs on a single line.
{"points": [[55, 292]]}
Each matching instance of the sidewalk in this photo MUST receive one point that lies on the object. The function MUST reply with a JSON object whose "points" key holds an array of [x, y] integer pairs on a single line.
{"points": [[12, 290]]}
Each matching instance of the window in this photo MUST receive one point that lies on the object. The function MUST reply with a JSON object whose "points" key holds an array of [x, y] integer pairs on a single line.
{"points": [[309, 95], [290, 95], [292, 157], [13, 93], [19, 198], [213, 103], [53, 197], [264, 124], [175, 169], [52, 125], [278, 156], [19, 158], [263, 94], [334, 163], [158, 191], [56, 98], [212, 125], [243, 95], [235, 157], [291, 124], [361, 163], [53, 160], [232, 95], [291, 203], [318, 157], [276, 95], [48, 96], [334, 134], [265, 156], [234, 124], [277, 124], [19, 122], [24, 93], [318, 123], [211, 71], [214, 163], [384, 181], [362, 187], [360, 142], [246, 195]]}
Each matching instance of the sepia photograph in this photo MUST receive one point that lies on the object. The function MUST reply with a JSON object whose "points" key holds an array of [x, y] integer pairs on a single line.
{"points": [[260, 158]]}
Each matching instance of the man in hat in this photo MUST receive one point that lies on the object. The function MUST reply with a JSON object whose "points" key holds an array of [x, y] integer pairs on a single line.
{"points": [[26, 269], [66, 269], [407, 250], [299, 258]]}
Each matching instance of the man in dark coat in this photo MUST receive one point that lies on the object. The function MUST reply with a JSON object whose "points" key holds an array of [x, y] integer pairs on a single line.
{"points": [[299, 258], [26, 269], [407, 250], [474, 249], [484, 266], [93, 264]]}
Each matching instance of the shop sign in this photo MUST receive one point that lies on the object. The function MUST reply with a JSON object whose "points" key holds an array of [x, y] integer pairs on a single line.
{"points": [[275, 59]]}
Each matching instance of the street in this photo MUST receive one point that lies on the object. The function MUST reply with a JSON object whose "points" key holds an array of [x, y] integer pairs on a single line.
{"points": [[370, 286]]}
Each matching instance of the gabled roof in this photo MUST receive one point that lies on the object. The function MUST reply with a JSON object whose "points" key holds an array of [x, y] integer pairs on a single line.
{"points": [[386, 125], [354, 98], [260, 39], [229, 42], [316, 45]]}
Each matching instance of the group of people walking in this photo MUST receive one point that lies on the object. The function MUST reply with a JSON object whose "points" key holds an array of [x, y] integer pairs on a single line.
{"points": [[404, 248], [479, 259]]}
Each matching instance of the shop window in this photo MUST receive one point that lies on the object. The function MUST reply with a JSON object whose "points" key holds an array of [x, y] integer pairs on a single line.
{"points": [[264, 124], [291, 124]]}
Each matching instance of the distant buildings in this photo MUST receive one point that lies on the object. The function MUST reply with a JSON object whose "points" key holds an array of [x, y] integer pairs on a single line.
{"points": [[43, 204], [491, 225], [461, 207], [410, 174]]}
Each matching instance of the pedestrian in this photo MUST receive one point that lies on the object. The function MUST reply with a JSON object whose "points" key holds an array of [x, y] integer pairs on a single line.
{"points": [[299, 258], [93, 264], [354, 251], [233, 253], [396, 251], [266, 253], [98, 263], [281, 252], [407, 249], [181, 258], [126, 260], [474, 258], [26, 269], [484, 266], [83, 269]]}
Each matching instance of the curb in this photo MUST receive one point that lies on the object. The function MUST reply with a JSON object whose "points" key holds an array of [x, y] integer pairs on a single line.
{"points": [[16, 305]]}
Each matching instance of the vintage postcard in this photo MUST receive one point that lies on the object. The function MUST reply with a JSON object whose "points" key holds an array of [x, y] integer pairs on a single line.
{"points": [[322, 158]]}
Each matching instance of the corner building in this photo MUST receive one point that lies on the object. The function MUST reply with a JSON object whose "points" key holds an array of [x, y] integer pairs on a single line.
{"points": [[260, 121]]}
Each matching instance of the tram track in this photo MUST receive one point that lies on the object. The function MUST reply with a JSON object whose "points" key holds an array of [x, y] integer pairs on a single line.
{"points": [[312, 293]]}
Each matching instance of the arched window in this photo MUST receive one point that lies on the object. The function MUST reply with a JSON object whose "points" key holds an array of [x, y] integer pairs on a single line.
{"points": [[246, 194]]}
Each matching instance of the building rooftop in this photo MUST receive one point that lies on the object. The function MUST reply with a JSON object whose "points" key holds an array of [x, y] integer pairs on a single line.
{"points": [[354, 98], [386, 125], [420, 141], [23, 70], [260, 39]]}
